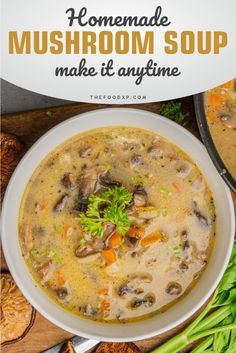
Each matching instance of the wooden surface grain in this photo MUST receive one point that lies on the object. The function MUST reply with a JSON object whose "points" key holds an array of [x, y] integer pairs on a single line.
{"points": [[29, 127]]}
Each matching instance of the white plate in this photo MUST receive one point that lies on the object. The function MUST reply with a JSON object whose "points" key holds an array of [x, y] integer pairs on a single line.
{"points": [[207, 282]]}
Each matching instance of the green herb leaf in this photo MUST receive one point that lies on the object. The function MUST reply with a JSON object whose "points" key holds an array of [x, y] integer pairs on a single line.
{"points": [[117, 216], [109, 137], [164, 190], [137, 180], [59, 229], [113, 203], [177, 250], [172, 110]]}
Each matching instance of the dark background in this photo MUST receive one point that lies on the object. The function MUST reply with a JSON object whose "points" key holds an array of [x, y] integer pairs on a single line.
{"points": [[16, 99]]}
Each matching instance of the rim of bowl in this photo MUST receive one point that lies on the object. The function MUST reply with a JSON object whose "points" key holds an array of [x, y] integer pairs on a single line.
{"points": [[20, 283]]}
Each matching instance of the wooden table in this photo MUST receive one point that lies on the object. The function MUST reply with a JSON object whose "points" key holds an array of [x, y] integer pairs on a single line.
{"points": [[29, 127]]}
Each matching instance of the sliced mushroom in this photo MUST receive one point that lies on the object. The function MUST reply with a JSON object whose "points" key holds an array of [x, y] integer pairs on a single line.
{"points": [[90, 248], [69, 181], [61, 203], [107, 181], [155, 151], [63, 293], [183, 266], [184, 169], [185, 239], [174, 288], [205, 222], [81, 205], [98, 244], [198, 184], [140, 277], [124, 290], [136, 160], [46, 270], [138, 291], [131, 242], [229, 120], [148, 213], [89, 180], [140, 196], [85, 250], [90, 258], [89, 310], [136, 303], [85, 152], [108, 228], [148, 300]]}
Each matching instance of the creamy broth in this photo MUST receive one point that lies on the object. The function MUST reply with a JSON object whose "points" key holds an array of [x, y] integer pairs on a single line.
{"points": [[166, 243], [220, 106]]}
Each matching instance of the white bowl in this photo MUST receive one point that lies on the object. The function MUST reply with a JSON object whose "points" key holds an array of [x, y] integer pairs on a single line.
{"points": [[207, 282]]}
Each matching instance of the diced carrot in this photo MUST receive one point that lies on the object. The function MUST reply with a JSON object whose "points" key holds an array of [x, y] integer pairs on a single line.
{"points": [[60, 277], [150, 239], [176, 186], [103, 291], [146, 208], [109, 256], [68, 230], [115, 240], [44, 204], [135, 232], [215, 100], [106, 307], [212, 116], [106, 304], [226, 84]]}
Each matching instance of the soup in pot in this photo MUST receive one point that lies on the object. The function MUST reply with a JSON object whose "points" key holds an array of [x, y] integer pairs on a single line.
{"points": [[220, 107], [117, 224]]}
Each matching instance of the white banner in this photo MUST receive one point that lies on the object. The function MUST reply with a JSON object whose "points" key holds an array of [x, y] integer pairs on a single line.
{"points": [[127, 51]]}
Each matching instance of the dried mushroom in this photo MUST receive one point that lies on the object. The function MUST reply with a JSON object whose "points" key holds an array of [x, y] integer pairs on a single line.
{"points": [[11, 152], [117, 348], [17, 315]]}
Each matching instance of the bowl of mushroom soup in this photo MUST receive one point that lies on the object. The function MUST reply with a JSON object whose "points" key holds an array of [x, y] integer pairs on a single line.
{"points": [[117, 219]]}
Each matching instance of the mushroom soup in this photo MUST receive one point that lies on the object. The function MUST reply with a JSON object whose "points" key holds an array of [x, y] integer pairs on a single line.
{"points": [[117, 224], [220, 106]]}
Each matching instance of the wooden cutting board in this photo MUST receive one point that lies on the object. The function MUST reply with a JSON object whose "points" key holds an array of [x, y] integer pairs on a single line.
{"points": [[29, 127]]}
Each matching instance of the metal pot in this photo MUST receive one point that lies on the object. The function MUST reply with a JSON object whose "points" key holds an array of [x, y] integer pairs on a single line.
{"points": [[208, 142]]}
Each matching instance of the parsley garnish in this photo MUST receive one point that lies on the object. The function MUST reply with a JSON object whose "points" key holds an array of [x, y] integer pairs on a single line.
{"points": [[107, 207], [172, 110]]}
